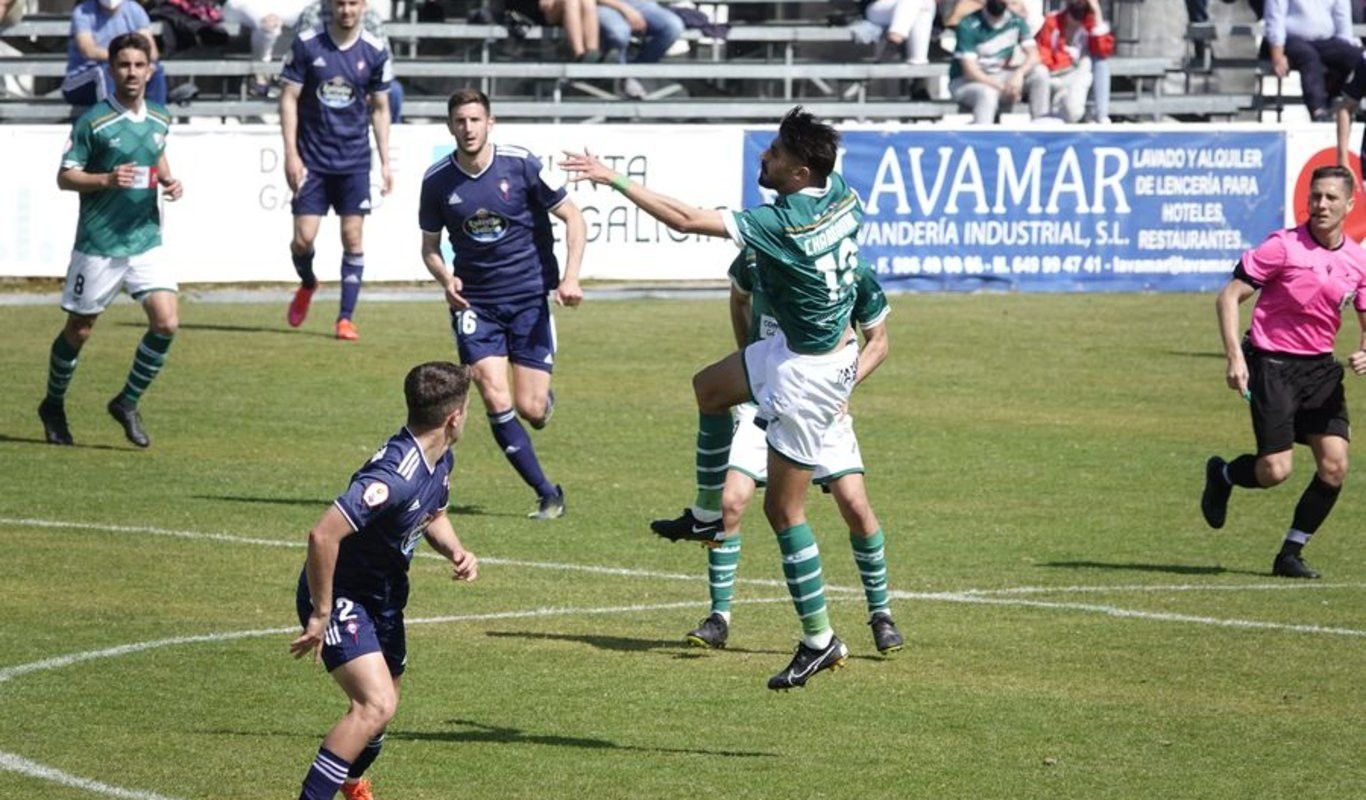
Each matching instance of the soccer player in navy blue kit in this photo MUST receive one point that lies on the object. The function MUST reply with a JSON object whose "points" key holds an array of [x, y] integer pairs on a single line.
{"points": [[496, 203], [355, 581], [327, 79]]}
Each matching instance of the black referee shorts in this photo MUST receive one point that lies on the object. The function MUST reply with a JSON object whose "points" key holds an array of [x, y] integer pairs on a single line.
{"points": [[1294, 397]]}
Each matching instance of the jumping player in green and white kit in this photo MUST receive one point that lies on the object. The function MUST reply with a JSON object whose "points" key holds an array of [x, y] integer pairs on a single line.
{"points": [[116, 159], [840, 470], [807, 250]]}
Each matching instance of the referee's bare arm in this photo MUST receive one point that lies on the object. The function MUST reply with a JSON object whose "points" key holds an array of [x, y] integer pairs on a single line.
{"points": [[1357, 360], [1234, 294]]}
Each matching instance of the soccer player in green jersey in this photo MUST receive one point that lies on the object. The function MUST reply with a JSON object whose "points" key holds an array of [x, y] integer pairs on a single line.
{"points": [[116, 159], [806, 248], [839, 471]]}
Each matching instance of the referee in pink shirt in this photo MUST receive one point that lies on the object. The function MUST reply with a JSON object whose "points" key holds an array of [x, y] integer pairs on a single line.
{"points": [[1307, 276]]}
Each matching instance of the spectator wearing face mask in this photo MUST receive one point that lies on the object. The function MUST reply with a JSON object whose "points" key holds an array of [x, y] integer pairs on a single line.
{"points": [[996, 63], [1075, 44], [94, 24]]}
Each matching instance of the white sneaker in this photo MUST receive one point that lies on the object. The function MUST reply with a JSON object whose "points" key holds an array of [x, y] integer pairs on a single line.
{"points": [[633, 89]]}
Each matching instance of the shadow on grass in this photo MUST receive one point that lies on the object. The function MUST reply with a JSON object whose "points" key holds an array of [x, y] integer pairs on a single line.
{"points": [[221, 328], [493, 734], [1174, 569], [470, 511], [675, 647], [35, 440], [1196, 353]]}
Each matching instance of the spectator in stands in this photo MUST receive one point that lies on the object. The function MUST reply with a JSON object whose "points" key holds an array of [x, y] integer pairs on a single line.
{"points": [[271, 23], [578, 17], [906, 24], [1313, 37], [94, 24], [11, 11], [1075, 44], [1031, 10], [318, 14], [657, 26], [995, 63]]}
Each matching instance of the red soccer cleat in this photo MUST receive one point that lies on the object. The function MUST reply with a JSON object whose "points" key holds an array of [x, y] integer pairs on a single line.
{"points": [[298, 307]]}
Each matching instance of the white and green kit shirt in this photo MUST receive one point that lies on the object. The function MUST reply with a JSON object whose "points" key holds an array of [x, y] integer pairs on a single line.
{"points": [[806, 251], [119, 222]]}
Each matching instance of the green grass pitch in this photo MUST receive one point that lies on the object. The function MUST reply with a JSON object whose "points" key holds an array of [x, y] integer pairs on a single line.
{"points": [[1074, 629]]}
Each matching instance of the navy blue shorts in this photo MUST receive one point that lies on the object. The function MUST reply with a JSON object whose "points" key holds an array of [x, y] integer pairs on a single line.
{"points": [[524, 332], [348, 195], [355, 630]]}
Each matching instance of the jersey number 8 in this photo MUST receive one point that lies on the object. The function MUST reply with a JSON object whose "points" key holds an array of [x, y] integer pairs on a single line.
{"points": [[839, 269]]}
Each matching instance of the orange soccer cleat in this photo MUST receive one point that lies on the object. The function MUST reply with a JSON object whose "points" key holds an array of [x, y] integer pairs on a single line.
{"points": [[346, 330], [360, 790]]}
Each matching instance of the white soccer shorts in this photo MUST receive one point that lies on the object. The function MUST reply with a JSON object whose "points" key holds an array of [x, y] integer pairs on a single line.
{"points": [[799, 396], [92, 282], [840, 453]]}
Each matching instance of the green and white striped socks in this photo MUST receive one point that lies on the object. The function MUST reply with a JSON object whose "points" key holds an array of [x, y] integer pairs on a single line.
{"points": [[871, 558], [147, 362], [802, 568], [722, 562], [714, 432], [61, 366]]}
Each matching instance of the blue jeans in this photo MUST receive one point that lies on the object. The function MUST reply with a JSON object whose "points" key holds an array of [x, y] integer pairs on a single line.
{"points": [[662, 29]]}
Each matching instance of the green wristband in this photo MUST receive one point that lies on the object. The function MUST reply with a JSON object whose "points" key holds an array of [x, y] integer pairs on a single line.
{"points": [[621, 183]]}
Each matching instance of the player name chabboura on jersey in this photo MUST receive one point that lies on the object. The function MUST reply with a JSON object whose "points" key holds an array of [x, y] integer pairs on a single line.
{"points": [[806, 249]]}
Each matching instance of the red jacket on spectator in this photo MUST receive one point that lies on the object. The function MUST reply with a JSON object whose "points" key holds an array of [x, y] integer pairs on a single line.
{"points": [[1058, 54]]}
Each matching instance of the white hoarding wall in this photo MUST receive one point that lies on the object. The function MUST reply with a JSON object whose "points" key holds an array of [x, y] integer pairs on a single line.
{"points": [[234, 224]]}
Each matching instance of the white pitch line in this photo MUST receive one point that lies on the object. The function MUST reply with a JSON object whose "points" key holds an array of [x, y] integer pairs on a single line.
{"points": [[1159, 616], [493, 560], [10, 762], [1168, 587]]}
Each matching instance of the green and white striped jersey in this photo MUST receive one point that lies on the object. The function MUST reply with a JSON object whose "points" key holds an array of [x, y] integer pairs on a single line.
{"points": [[870, 303], [806, 249], [119, 222]]}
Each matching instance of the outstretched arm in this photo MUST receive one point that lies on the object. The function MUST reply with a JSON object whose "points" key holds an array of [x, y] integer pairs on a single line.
{"points": [[676, 214]]}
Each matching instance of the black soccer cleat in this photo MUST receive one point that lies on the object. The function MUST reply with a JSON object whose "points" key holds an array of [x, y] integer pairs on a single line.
{"points": [[1214, 500], [551, 507], [807, 661], [55, 429], [886, 637], [710, 632], [689, 528], [128, 416], [549, 412], [1290, 565]]}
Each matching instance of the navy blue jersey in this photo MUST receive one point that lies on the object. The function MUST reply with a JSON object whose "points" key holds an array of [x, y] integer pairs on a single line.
{"points": [[334, 117], [389, 503], [498, 222]]}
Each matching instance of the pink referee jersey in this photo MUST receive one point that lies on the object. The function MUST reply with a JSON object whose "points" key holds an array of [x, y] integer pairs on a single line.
{"points": [[1305, 287]]}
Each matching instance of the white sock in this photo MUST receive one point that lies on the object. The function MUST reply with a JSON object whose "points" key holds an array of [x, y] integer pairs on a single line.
{"points": [[819, 641]]}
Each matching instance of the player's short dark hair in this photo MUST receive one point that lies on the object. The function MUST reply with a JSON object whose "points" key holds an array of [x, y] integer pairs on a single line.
{"points": [[1335, 171], [433, 390], [463, 97], [811, 141], [129, 41]]}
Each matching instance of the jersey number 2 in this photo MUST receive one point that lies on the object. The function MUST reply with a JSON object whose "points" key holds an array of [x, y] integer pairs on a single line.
{"points": [[839, 269]]}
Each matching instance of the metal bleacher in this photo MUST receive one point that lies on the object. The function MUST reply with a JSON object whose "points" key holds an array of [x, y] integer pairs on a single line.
{"points": [[757, 71]]}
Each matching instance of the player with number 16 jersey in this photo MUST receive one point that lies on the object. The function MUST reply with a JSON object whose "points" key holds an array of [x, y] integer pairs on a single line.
{"points": [[495, 203]]}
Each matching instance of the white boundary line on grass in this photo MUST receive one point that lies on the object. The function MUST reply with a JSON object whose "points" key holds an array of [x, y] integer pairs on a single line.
{"points": [[14, 763]]}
